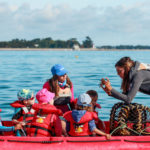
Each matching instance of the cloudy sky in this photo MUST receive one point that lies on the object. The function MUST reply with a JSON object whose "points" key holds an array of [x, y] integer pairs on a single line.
{"points": [[107, 22]]}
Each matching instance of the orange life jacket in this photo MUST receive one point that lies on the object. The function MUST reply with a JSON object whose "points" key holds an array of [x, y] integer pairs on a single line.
{"points": [[43, 123], [80, 128]]}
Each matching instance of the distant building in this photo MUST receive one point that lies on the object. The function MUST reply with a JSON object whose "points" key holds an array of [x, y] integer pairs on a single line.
{"points": [[93, 46], [76, 47], [36, 45]]}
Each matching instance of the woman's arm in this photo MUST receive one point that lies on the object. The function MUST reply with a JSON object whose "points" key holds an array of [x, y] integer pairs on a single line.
{"points": [[7, 129], [133, 89]]}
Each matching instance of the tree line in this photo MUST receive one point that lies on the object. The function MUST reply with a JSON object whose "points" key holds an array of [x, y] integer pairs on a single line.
{"points": [[46, 43], [124, 47], [50, 43]]}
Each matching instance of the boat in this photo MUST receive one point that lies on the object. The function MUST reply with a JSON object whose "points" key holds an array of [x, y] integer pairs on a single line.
{"points": [[9, 141]]}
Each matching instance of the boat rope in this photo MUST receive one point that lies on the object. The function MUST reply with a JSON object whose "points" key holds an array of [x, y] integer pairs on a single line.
{"points": [[84, 141], [137, 141], [122, 127], [44, 142], [145, 129]]}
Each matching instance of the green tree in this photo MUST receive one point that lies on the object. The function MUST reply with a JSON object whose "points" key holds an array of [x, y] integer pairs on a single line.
{"points": [[87, 43]]}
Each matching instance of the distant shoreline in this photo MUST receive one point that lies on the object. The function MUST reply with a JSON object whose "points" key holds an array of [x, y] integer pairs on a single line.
{"points": [[68, 49]]}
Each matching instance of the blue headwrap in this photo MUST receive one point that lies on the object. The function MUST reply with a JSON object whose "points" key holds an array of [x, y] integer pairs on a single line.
{"points": [[62, 84]]}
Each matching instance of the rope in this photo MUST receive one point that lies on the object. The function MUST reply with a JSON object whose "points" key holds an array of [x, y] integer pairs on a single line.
{"points": [[94, 141], [119, 127], [122, 127], [137, 141], [44, 142], [145, 129]]}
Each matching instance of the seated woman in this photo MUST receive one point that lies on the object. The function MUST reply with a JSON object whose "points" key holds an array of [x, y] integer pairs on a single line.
{"points": [[61, 85]]}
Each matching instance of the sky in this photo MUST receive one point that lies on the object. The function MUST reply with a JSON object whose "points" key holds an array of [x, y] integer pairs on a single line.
{"points": [[106, 22]]}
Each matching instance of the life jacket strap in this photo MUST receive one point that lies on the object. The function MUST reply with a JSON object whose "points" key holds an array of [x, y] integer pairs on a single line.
{"points": [[37, 128]]}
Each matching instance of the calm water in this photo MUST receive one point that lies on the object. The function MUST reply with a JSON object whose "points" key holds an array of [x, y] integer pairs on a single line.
{"points": [[30, 69]]}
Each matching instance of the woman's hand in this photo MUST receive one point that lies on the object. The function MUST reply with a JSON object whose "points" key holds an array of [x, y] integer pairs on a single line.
{"points": [[106, 86]]}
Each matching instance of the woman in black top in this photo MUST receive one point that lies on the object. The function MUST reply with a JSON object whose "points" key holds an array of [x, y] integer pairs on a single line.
{"points": [[135, 77]]}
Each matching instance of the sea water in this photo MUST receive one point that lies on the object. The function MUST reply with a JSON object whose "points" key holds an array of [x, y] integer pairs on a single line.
{"points": [[30, 69]]}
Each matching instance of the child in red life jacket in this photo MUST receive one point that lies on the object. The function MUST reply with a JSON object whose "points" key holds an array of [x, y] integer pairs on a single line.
{"points": [[80, 122], [94, 96], [7, 129], [46, 121], [23, 108]]}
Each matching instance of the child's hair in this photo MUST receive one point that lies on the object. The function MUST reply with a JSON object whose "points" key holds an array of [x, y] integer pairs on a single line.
{"points": [[84, 102], [87, 108], [92, 93], [127, 63]]}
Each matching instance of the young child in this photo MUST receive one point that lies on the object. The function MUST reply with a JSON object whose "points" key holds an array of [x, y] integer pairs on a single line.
{"points": [[46, 121], [94, 96], [24, 111], [80, 122], [7, 129]]}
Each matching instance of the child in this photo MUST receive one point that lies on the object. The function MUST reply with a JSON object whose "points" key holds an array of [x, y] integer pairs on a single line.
{"points": [[94, 96], [7, 129], [81, 122], [23, 106], [46, 121]]}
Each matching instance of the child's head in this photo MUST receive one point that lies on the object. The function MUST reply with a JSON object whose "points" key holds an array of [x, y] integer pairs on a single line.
{"points": [[94, 96], [44, 96], [84, 102], [26, 96]]}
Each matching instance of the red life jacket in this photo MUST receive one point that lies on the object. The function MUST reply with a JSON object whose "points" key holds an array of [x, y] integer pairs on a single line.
{"points": [[27, 115], [80, 128], [43, 123]]}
